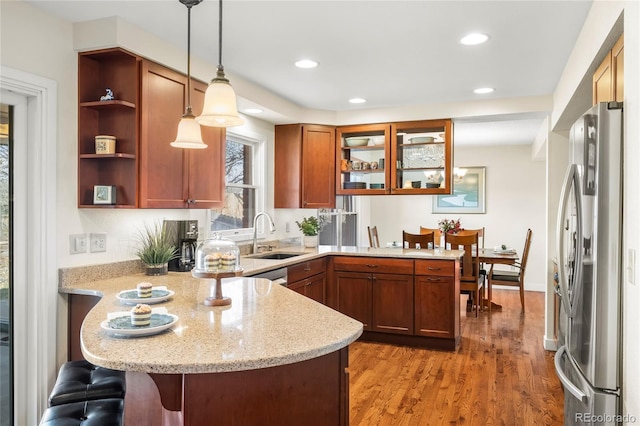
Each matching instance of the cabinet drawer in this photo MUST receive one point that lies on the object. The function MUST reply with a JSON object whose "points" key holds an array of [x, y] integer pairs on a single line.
{"points": [[373, 264], [435, 267], [303, 270]]}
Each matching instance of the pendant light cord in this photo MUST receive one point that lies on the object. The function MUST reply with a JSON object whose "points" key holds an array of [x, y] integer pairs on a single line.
{"points": [[220, 35], [188, 59]]}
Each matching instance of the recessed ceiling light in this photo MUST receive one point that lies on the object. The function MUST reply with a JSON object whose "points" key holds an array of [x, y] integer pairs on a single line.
{"points": [[473, 39], [306, 63], [484, 90], [253, 110], [357, 100]]}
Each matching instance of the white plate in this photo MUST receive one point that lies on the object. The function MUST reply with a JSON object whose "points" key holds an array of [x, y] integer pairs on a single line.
{"points": [[158, 294], [140, 331]]}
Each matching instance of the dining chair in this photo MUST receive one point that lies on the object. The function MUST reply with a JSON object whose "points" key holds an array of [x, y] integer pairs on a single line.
{"points": [[513, 278], [424, 240], [437, 233], [470, 280], [483, 270], [374, 241]]}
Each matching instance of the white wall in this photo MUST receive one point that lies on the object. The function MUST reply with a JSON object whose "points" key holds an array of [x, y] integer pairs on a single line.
{"points": [[515, 201]]}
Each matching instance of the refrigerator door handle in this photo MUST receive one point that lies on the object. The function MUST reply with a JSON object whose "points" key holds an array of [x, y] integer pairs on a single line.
{"points": [[568, 384], [570, 181]]}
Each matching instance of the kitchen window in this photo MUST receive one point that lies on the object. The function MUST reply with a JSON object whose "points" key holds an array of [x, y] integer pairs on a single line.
{"points": [[244, 189]]}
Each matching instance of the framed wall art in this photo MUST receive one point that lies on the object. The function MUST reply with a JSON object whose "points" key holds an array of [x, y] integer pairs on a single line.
{"points": [[468, 194], [104, 194]]}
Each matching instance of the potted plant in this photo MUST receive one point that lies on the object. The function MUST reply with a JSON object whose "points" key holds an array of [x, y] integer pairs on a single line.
{"points": [[156, 249], [310, 226]]}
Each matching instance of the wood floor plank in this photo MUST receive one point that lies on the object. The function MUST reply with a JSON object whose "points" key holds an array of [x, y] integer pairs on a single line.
{"points": [[500, 375]]}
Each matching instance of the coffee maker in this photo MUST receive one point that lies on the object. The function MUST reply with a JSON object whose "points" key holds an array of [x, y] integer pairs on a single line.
{"points": [[185, 237]]}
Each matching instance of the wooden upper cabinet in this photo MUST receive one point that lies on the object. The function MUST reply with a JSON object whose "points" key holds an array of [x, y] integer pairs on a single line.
{"points": [[304, 166], [175, 177], [603, 81], [118, 70], [617, 62], [608, 79]]}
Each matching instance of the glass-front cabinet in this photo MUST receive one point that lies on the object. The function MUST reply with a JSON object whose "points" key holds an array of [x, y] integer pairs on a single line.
{"points": [[422, 157], [363, 159], [413, 157]]}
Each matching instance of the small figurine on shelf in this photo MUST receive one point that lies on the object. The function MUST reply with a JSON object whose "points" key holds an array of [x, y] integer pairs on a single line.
{"points": [[108, 97]]}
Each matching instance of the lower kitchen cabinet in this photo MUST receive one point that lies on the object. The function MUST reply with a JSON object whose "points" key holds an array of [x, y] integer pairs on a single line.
{"points": [[399, 301], [309, 279], [79, 307], [377, 292], [354, 296], [392, 302]]}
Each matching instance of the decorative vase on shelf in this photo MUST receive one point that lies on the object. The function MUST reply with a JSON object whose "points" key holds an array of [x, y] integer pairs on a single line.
{"points": [[160, 269], [310, 241]]}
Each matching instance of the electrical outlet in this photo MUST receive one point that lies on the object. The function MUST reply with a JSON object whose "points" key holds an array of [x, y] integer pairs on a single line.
{"points": [[77, 243], [98, 242]]}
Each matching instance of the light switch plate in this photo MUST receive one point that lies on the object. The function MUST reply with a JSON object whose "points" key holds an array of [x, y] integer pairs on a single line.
{"points": [[77, 243], [97, 242]]}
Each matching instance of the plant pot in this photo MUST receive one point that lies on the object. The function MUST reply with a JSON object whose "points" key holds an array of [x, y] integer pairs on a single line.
{"points": [[310, 241], [161, 269]]}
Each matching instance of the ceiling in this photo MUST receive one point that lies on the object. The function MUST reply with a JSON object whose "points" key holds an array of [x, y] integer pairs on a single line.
{"points": [[395, 54]]}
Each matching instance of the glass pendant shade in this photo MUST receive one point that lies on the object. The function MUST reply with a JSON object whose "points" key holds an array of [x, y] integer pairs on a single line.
{"points": [[189, 134], [220, 108]]}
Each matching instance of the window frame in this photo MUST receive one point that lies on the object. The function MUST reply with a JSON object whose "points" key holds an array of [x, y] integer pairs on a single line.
{"points": [[259, 180]]}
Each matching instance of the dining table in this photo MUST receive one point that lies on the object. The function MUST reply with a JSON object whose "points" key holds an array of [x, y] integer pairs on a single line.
{"points": [[495, 257]]}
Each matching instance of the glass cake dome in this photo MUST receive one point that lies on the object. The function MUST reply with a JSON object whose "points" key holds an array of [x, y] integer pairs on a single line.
{"points": [[217, 254]]}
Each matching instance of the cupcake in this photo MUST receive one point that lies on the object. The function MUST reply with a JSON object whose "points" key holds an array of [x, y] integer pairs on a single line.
{"points": [[141, 315], [212, 262], [144, 289], [228, 262]]}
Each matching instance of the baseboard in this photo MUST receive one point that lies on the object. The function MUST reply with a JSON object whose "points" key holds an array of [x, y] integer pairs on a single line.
{"points": [[550, 344]]}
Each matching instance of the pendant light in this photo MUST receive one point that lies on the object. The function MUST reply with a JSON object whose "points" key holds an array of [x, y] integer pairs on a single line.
{"points": [[189, 132], [220, 108]]}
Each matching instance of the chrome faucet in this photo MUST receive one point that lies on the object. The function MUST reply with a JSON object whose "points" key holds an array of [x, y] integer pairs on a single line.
{"points": [[272, 228]]}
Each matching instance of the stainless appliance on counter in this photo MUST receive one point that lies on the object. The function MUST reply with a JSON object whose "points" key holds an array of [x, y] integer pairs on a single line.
{"points": [[589, 250], [185, 237], [339, 225]]}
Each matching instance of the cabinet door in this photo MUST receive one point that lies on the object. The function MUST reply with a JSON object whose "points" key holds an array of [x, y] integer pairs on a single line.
{"points": [[421, 157], [206, 177], [362, 159], [603, 82], [304, 166], [318, 150], [435, 306], [315, 287], [163, 177], [392, 303], [617, 62], [354, 296]]}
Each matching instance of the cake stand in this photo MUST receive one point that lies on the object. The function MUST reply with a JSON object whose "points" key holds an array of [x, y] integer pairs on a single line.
{"points": [[217, 299]]}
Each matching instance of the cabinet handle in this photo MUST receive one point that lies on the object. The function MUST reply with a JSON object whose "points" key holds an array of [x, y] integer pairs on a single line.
{"points": [[307, 269], [431, 268], [433, 279], [372, 266]]}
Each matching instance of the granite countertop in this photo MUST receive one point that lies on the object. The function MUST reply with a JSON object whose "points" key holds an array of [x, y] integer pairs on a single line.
{"points": [[266, 325]]}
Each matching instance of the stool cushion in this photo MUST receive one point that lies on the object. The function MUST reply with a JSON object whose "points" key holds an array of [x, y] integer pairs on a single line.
{"points": [[101, 412], [83, 381]]}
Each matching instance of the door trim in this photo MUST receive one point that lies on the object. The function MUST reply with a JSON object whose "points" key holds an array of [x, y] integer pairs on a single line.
{"points": [[35, 369]]}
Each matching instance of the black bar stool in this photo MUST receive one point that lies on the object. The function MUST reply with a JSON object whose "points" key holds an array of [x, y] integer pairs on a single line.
{"points": [[82, 381], [99, 412]]}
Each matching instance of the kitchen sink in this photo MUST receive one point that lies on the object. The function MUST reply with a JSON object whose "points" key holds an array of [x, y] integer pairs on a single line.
{"points": [[275, 255]]}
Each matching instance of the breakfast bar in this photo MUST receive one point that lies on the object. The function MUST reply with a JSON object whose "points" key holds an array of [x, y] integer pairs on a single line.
{"points": [[272, 354]]}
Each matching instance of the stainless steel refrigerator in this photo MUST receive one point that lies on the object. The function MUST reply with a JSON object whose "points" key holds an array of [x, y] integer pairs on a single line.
{"points": [[590, 263]]}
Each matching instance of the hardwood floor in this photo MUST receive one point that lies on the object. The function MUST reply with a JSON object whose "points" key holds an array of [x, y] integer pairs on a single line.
{"points": [[500, 375]]}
